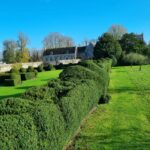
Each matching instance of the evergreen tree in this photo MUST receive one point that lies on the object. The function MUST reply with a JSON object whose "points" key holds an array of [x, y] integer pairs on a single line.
{"points": [[107, 46]]}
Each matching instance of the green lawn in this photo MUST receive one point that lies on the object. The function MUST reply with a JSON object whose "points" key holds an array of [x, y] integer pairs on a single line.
{"points": [[41, 79], [124, 123]]}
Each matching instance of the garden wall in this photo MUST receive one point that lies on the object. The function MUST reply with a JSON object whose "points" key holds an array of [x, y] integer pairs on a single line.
{"points": [[8, 67]]}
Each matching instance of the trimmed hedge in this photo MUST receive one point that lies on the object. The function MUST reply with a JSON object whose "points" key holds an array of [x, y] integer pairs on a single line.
{"points": [[17, 128], [15, 79], [28, 76], [39, 93], [4, 76], [49, 67], [48, 116], [23, 70], [40, 68]]}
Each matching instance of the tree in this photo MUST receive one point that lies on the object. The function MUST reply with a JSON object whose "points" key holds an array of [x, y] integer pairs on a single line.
{"points": [[35, 55], [22, 41], [23, 51], [107, 46], [117, 31], [131, 43], [57, 40], [135, 59], [146, 50], [9, 51]]}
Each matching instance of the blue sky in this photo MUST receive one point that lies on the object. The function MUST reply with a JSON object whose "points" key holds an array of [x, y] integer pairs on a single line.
{"points": [[76, 18]]}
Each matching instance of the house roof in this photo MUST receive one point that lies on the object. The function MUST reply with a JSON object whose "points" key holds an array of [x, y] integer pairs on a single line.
{"points": [[81, 49], [57, 51], [64, 50]]}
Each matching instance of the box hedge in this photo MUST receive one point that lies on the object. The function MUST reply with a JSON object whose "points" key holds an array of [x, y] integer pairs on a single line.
{"points": [[46, 117], [15, 79], [28, 76]]}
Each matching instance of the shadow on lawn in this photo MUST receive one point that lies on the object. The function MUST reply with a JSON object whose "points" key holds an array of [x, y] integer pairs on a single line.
{"points": [[123, 90], [13, 95], [132, 140], [24, 87]]}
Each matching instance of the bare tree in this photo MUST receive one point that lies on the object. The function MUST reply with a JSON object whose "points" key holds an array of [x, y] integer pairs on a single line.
{"points": [[35, 55], [57, 40], [22, 41], [22, 54], [9, 51], [117, 31]]}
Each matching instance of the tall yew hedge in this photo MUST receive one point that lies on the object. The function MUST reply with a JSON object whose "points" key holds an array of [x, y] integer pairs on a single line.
{"points": [[45, 118]]}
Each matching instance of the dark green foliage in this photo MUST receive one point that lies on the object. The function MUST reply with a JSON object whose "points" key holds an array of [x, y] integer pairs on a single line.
{"points": [[48, 116], [40, 68], [14, 70], [77, 103], [134, 59], [114, 60], [104, 99], [23, 70], [49, 67], [4, 76], [15, 79], [103, 76], [27, 125], [74, 73], [28, 76], [36, 73], [106, 46], [131, 43], [30, 69], [17, 129], [10, 79], [39, 93], [9, 51], [50, 126]]}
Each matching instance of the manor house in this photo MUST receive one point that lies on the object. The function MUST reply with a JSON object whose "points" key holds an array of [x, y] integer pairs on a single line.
{"points": [[68, 55]]}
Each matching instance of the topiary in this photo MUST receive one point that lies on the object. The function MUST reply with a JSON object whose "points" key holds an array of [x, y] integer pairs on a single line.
{"points": [[74, 73], [14, 70], [23, 70], [30, 69], [39, 94], [40, 68]]}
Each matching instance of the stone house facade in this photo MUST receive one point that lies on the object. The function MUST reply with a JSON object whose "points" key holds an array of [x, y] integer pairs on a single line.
{"points": [[67, 55]]}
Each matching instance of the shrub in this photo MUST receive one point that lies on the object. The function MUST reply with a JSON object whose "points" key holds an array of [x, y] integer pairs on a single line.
{"points": [[77, 103], [17, 128], [30, 69], [14, 80], [14, 70], [28, 76], [104, 99], [40, 68], [49, 67], [39, 93], [16, 66], [74, 73], [48, 116], [134, 59], [23, 70], [28, 125], [4, 76], [36, 73]]}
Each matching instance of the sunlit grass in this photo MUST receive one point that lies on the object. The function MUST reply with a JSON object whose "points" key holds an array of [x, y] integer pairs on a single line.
{"points": [[41, 79], [124, 123]]}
